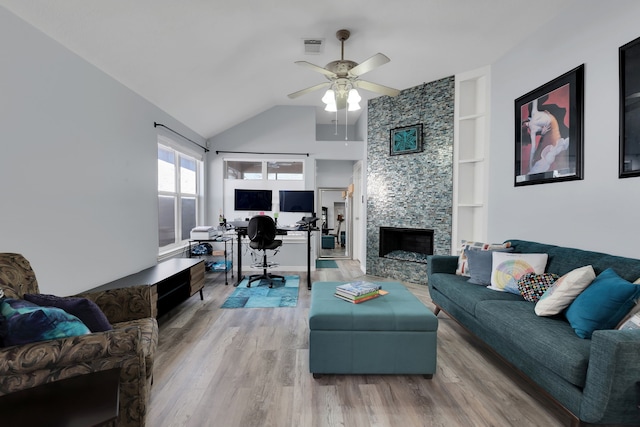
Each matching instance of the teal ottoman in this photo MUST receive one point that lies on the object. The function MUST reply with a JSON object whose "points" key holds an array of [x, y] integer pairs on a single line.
{"points": [[392, 334], [328, 242]]}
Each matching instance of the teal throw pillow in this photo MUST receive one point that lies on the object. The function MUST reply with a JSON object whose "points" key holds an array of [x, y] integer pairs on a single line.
{"points": [[22, 322], [603, 304]]}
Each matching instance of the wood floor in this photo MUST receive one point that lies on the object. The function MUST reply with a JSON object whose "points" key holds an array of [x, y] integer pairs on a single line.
{"points": [[249, 367]]}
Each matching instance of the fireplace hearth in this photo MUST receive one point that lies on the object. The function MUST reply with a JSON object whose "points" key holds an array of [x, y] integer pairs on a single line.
{"points": [[406, 244]]}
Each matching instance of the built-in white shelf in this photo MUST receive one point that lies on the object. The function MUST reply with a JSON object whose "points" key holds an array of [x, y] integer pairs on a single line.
{"points": [[470, 165]]}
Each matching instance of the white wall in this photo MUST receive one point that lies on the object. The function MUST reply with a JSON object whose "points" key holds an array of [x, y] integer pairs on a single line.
{"points": [[601, 211], [78, 165], [281, 129]]}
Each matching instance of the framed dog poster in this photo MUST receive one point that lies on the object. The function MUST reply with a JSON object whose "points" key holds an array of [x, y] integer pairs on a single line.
{"points": [[630, 109], [549, 131]]}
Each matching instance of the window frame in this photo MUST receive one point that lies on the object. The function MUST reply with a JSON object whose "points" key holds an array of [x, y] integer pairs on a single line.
{"points": [[178, 194], [264, 169]]}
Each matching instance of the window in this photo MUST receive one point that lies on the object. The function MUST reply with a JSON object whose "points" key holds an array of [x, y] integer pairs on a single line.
{"points": [[243, 170], [255, 170], [179, 192], [291, 171]]}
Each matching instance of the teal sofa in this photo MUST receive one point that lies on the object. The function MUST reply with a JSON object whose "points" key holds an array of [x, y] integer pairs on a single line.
{"points": [[596, 380]]}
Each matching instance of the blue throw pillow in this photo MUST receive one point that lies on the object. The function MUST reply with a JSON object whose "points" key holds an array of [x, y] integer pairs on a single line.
{"points": [[480, 264], [84, 309], [22, 322], [603, 304]]}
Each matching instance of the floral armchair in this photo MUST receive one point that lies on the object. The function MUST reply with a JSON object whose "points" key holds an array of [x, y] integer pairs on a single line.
{"points": [[130, 345]]}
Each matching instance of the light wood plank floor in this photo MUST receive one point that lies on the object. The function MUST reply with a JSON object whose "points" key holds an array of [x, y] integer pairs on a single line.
{"points": [[249, 367]]}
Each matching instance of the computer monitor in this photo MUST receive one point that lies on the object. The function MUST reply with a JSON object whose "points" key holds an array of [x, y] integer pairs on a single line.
{"points": [[253, 200], [297, 201]]}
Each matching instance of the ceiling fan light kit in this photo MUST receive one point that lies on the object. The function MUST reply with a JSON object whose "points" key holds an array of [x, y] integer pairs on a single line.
{"points": [[343, 76]]}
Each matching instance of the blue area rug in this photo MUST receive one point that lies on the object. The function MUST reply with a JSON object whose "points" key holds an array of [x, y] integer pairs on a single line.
{"points": [[326, 263], [262, 296]]}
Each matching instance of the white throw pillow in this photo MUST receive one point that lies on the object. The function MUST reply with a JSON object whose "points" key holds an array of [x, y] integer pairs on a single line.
{"points": [[508, 268], [635, 310], [562, 293], [632, 322]]}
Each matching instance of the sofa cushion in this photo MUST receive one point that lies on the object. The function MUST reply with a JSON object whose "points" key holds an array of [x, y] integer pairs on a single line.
{"points": [[22, 322], [545, 340], [564, 291], [508, 268], [603, 304], [85, 310], [532, 285], [465, 294]]}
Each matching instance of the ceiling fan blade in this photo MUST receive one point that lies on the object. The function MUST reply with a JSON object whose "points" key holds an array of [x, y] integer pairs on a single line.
{"points": [[369, 64], [307, 90], [317, 69], [375, 87]]}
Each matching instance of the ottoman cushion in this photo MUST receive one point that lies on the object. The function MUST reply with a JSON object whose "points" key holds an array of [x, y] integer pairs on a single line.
{"points": [[399, 310]]}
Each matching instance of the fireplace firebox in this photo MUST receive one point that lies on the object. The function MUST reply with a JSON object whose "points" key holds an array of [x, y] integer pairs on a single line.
{"points": [[406, 244]]}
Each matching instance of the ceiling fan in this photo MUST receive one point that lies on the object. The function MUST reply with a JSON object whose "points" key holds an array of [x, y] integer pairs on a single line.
{"points": [[344, 79]]}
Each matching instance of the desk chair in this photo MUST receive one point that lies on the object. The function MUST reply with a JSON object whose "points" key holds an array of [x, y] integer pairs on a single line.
{"points": [[262, 233]]}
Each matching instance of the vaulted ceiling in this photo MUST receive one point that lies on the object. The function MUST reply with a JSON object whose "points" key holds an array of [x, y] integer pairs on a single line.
{"points": [[214, 64]]}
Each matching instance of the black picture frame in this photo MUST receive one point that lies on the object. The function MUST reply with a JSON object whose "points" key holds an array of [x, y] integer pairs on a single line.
{"points": [[629, 68], [405, 140], [554, 112]]}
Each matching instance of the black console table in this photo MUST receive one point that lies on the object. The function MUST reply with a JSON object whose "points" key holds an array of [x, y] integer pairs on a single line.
{"points": [[84, 400], [171, 281]]}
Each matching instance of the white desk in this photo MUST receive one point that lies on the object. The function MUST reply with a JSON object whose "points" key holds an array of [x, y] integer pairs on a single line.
{"points": [[292, 255]]}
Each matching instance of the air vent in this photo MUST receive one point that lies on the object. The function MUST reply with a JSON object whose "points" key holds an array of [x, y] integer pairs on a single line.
{"points": [[313, 46]]}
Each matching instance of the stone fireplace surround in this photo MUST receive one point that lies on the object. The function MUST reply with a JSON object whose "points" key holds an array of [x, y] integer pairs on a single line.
{"points": [[410, 190]]}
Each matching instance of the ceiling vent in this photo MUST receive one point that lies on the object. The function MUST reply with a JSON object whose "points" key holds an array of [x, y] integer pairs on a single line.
{"points": [[313, 46]]}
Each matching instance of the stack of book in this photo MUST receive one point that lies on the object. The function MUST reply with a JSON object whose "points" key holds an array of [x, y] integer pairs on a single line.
{"points": [[357, 292]]}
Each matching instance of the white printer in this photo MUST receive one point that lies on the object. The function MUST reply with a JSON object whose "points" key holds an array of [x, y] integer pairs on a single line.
{"points": [[204, 232]]}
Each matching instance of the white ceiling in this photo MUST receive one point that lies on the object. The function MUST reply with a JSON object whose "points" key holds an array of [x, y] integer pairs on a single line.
{"points": [[213, 64]]}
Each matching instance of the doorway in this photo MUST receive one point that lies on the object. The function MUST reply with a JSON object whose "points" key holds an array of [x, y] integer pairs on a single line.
{"points": [[335, 223]]}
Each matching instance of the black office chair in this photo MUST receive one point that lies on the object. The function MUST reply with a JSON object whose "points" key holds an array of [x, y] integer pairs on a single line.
{"points": [[262, 233]]}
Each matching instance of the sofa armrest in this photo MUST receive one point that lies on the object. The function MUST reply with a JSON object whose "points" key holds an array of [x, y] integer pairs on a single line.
{"points": [[124, 304], [29, 365], [614, 369], [441, 264]]}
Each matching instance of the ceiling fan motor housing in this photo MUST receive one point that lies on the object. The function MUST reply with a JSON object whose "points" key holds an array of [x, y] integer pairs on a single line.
{"points": [[340, 67]]}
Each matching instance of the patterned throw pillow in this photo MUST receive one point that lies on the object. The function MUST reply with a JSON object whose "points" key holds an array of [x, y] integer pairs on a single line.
{"points": [[463, 263], [532, 285]]}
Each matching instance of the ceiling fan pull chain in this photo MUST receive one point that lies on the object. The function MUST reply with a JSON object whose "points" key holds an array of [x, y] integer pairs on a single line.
{"points": [[346, 117]]}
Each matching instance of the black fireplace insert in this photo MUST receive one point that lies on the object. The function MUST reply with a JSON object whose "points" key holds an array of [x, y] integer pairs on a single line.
{"points": [[409, 244]]}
